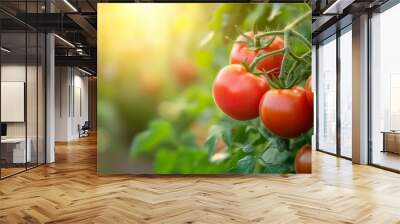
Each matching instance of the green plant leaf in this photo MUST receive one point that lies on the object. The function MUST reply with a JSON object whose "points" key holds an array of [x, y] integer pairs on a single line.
{"points": [[165, 161], [274, 156], [247, 148], [160, 132], [246, 164], [279, 168], [211, 144], [185, 161]]}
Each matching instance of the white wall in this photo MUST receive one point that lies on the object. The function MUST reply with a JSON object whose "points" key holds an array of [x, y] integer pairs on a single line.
{"points": [[71, 94], [12, 73], [62, 81]]}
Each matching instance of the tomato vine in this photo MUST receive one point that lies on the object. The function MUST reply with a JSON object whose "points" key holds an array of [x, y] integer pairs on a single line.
{"points": [[282, 121], [266, 67], [286, 79]]}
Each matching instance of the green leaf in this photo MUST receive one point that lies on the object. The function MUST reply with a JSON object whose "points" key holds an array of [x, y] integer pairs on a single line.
{"points": [[274, 156], [165, 161], [211, 144], [222, 130], [247, 148], [264, 133], [246, 164], [185, 161], [160, 132], [250, 129], [279, 168], [281, 144], [227, 136], [297, 143], [188, 139]]}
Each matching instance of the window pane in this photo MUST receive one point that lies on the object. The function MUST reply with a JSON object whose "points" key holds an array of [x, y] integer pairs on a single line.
{"points": [[327, 96], [385, 89], [346, 94]]}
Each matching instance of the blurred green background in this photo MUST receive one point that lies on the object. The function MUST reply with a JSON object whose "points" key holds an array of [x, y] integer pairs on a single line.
{"points": [[156, 65]]}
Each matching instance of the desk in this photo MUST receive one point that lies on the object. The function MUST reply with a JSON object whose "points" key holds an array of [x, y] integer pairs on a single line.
{"points": [[17, 150], [391, 141]]}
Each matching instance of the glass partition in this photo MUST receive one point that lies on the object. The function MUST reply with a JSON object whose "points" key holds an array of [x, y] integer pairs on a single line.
{"points": [[346, 92], [15, 152], [23, 91], [327, 95], [385, 89]]}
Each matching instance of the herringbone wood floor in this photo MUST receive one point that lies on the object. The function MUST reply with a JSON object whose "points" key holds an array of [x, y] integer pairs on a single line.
{"points": [[69, 191]]}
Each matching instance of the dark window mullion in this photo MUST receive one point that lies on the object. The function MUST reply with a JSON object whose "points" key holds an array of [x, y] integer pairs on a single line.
{"points": [[37, 90], [338, 73], [26, 87], [369, 96], [316, 97], [0, 97]]}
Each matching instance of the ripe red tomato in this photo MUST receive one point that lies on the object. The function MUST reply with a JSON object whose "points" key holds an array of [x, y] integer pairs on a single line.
{"points": [[185, 72], [241, 53], [285, 112], [302, 162], [309, 92], [238, 92]]}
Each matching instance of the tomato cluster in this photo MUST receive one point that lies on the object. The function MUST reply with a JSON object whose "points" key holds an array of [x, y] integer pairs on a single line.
{"points": [[242, 54], [244, 95]]}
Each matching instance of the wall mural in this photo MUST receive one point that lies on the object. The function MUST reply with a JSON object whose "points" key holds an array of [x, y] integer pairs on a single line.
{"points": [[204, 88]]}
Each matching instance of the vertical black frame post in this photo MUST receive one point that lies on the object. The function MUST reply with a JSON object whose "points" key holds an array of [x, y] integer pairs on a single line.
{"points": [[369, 95], [316, 97], [0, 93], [26, 86], [45, 88], [37, 90], [338, 74]]}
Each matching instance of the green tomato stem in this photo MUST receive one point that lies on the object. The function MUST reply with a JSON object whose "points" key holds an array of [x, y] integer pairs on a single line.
{"points": [[257, 60], [302, 38], [297, 21], [285, 79], [271, 33]]}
